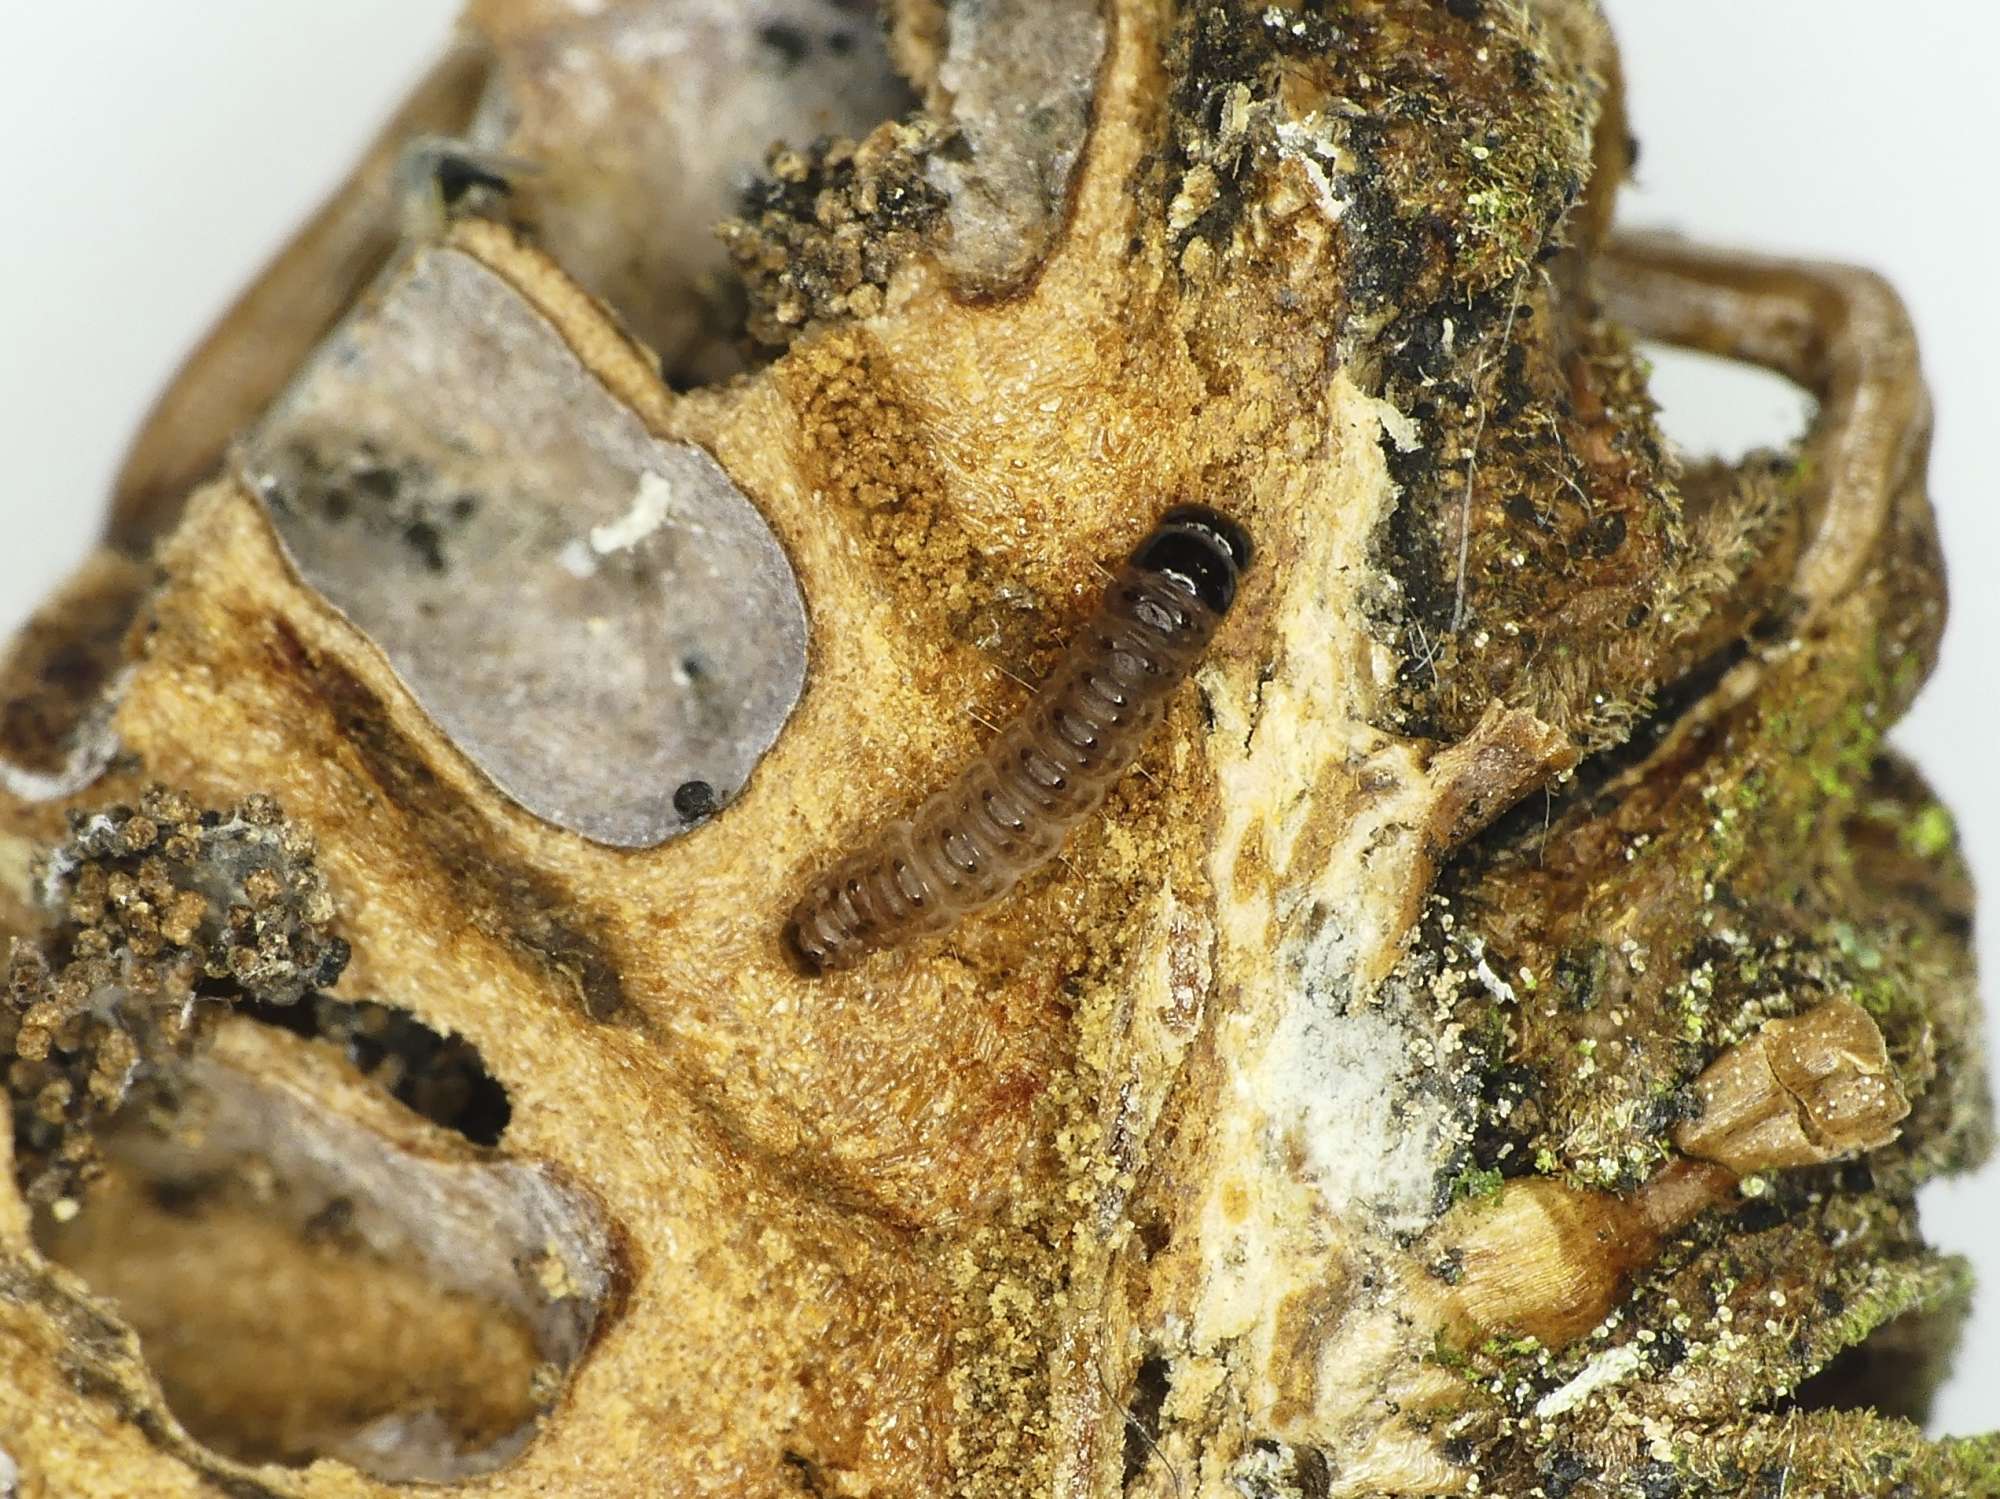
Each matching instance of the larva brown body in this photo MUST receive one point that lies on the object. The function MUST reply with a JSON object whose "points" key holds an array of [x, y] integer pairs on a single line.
{"points": [[1009, 812]]}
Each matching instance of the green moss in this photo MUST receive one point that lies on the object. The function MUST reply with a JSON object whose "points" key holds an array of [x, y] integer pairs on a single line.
{"points": [[1856, 947], [1447, 1355], [1941, 1282], [1977, 1464], [1930, 833], [1477, 1185], [1513, 1351]]}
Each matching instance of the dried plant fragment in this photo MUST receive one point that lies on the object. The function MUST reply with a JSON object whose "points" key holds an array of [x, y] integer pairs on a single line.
{"points": [[1549, 1260], [1798, 1093], [981, 178], [1489, 1041], [58, 682], [272, 1205], [1017, 82], [645, 123], [243, 1198], [600, 620], [242, 366], [1730, 882]]}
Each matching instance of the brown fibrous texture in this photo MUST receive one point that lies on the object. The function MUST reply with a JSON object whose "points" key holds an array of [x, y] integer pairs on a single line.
{"points": [[1491, 1040]]}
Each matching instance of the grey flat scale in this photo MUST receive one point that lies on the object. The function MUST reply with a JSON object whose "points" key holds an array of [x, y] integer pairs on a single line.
{"points": [[595, 617]]}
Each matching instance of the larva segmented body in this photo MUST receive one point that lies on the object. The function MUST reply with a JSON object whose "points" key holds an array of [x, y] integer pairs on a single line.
{"points": [[1009, 812]]}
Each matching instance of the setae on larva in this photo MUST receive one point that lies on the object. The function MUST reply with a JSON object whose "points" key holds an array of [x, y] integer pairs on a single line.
{"points": [[1008, 812]]}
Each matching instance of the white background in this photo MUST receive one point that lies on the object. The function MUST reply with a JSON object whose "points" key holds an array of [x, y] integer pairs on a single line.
{"points": [[152, 152]]}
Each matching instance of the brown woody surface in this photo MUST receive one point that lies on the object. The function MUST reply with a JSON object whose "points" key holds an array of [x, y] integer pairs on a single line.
{"points": [[1309, 1128]]}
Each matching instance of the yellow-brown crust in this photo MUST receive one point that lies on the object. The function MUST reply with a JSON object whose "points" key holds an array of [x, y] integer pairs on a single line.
{"points": [[1142, 1184]]}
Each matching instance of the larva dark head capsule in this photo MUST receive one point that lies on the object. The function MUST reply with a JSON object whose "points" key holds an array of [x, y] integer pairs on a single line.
{"points": [[1203, 549]]}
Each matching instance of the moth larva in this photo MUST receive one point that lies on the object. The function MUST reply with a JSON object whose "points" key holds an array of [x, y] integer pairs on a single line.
{"points": [[1008, 812]]}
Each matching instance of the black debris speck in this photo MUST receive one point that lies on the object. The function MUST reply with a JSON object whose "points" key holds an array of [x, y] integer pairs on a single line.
{"points": [[787, 41], [695, 800]]}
